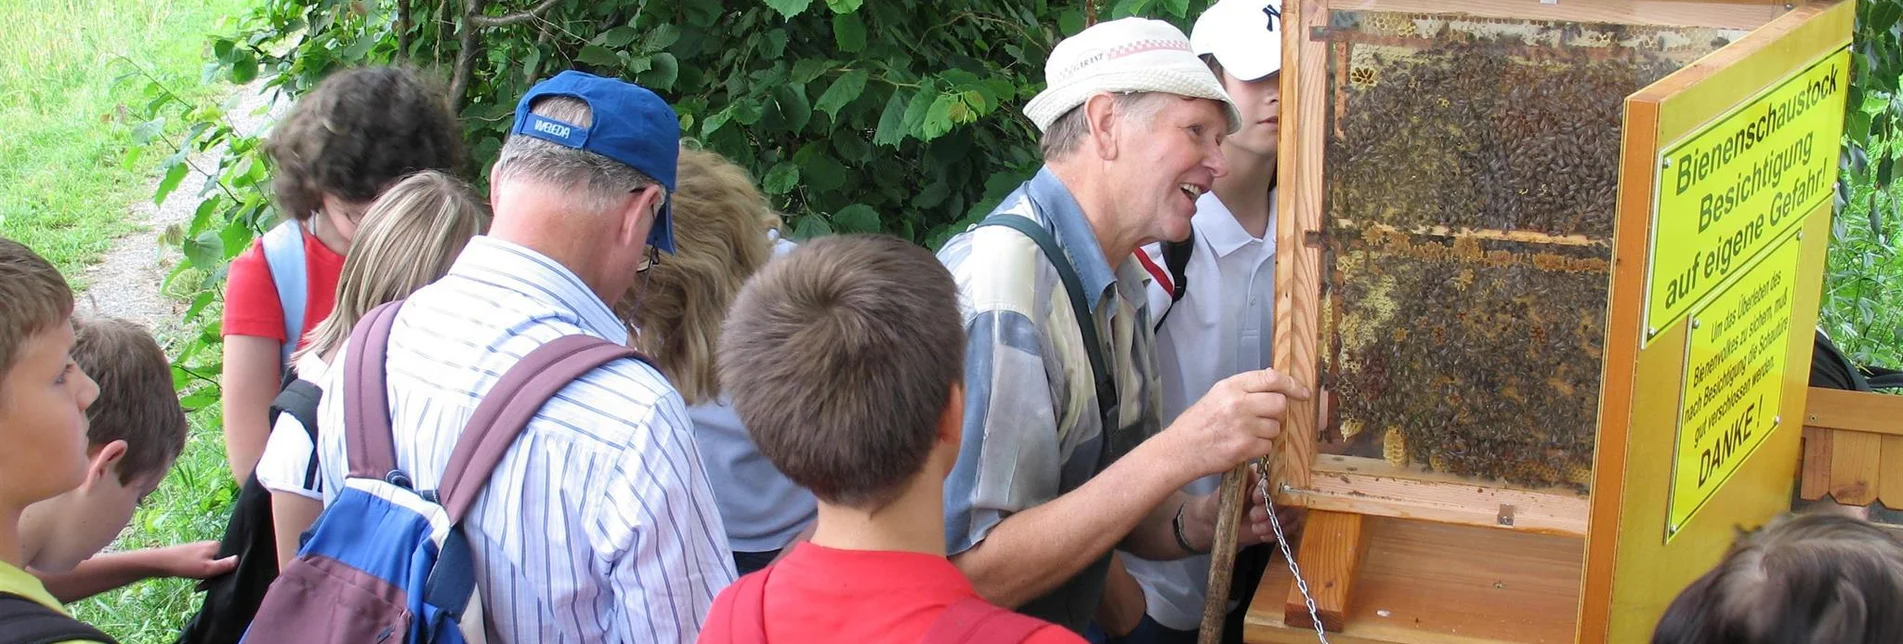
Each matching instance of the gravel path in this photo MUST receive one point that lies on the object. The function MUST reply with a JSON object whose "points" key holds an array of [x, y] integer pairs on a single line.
{"points": [[126, 283]]}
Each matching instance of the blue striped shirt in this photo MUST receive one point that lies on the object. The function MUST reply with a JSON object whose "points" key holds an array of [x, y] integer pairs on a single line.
{"points": [[599, 524]]}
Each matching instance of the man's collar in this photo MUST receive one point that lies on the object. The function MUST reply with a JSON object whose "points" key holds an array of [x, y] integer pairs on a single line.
{"points": [[1074, 233]]}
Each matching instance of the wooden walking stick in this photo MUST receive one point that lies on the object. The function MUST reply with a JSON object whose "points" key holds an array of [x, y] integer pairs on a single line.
{"points": [[1222, 554]]}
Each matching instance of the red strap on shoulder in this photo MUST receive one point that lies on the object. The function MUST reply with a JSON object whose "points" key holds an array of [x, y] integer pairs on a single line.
{"points": [[976, 621]]}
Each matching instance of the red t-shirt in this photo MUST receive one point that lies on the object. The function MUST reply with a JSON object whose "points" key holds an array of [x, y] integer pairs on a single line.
{"points": [[251, 298], [820, 594]]}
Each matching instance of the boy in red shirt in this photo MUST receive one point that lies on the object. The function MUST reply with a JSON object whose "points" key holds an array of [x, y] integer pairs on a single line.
{"points": [[845, 360]]}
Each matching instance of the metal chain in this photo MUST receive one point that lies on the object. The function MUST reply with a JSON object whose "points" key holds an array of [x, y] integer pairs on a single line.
{"points": [[1262, 488]]}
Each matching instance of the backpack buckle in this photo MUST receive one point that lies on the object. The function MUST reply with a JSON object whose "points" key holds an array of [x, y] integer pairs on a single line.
{"points": [[399, 479]]}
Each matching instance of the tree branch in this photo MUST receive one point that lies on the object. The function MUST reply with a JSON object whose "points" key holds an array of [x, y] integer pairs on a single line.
{"points": [[477, 19], [465, 54], [402, 30]]}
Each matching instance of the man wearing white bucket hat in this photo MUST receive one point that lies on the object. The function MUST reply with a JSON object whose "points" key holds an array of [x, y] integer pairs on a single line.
{"points": [[1212, 296], [1062, 459]]}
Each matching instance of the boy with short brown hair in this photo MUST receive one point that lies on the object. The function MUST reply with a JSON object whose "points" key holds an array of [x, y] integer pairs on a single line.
{"points": [[43, 401], [845, 360], [136, 430]]}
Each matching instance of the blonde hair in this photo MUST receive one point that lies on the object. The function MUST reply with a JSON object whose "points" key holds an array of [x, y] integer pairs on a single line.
{"points": [[409, 238], [720, 238]]}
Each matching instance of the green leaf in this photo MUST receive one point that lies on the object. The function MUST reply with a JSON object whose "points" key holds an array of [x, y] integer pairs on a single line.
{"points": [[843, 91], [849, 32], [807, 69], [663, 35], [773, 45], [844, 6], [789, 8], [1875, 102], [143, 133], [617, 37], [747, 111], [938, 120], [891, 122], [916, 108], [823, 173], [809, 227], [664, 71], [713, 123], [932, 195], [173, 175], [782, 178], [221, 49], [598, 56], [207, 249], [794, 106], [244, 67], [856, 218]]}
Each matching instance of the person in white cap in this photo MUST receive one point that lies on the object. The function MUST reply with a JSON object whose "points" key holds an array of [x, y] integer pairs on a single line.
{"points": [[1212, 295], [1061, 458]]}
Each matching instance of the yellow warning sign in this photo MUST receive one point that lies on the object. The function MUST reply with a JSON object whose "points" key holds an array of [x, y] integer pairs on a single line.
{"points": [[1734, 379], [1726, 192]]}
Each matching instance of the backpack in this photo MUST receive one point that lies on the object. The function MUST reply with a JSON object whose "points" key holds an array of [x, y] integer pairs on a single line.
{"points": [[386, 562], [969, 621], [231, 600], [284, 255], [1176, 259], [1831, 369], [24, 621]]}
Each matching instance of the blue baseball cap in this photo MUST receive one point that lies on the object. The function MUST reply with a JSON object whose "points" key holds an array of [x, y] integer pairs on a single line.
{"points": [[632, 126]]}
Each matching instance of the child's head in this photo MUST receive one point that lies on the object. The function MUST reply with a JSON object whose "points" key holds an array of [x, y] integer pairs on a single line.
{"points": [[1241, 42], [137, 430], [410, 237], [353, 135], [1802, 579], [720, 239], [845, 360], [44, 395]]}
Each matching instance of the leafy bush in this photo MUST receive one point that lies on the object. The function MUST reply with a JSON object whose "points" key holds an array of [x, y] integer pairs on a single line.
{"points": [[900, 116], [1863, 284]]}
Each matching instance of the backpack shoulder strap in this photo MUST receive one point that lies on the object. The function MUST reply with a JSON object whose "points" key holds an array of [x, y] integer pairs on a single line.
{"points": [[1176, 256], [284, 255], [508, 407], [300, 399], [367, 438], [24, 621], [1086, 322], [973, 620]]}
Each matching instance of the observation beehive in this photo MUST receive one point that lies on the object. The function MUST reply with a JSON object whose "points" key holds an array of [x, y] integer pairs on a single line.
{"points": [[1471, 184]]}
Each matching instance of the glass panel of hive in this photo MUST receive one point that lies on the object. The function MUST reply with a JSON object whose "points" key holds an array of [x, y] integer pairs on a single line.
{"points": [[1471, 175]]}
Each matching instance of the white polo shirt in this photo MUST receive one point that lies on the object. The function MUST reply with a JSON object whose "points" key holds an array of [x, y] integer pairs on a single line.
{"points": [[1221, 327]]}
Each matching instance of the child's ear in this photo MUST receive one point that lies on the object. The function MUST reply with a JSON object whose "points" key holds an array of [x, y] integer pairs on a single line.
{"points": [[951, 423], [104, 464]]}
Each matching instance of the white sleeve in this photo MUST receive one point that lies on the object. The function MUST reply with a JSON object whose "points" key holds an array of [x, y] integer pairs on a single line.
{"points": [[285, 465]]}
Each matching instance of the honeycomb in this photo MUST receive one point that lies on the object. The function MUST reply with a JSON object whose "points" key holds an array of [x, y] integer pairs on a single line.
{"points": [[1471, 179]]}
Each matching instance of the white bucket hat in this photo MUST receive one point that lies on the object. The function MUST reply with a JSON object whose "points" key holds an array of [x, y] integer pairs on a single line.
{"points": [[1128, 55], [1244, 35]]}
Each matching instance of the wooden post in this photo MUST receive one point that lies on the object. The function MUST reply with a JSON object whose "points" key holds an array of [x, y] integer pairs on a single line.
{"points": [[1222, 554], [1333, 544]]}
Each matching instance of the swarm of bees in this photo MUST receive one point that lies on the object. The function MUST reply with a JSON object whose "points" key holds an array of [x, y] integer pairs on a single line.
{"points": [[1472, 173]]}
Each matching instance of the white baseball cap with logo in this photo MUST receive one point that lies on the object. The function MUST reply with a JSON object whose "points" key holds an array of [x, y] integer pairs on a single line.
{"points": [[1127, 55], [1245, 36]]}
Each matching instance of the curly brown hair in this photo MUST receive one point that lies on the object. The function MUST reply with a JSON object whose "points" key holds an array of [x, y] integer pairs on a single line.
{"points": [[358, 132]]}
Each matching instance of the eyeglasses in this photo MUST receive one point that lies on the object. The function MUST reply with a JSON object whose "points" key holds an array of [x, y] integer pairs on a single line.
{"points": [[648, 259]]}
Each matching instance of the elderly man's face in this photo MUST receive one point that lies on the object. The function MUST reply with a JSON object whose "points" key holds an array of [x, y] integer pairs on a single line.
{"points": [[1165, 165]]}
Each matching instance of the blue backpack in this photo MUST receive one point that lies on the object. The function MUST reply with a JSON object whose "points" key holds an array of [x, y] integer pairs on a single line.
{"points": [[386, 562]]}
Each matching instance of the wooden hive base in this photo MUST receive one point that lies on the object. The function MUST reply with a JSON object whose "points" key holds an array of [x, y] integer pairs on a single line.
{"points": [[1432, 583]]}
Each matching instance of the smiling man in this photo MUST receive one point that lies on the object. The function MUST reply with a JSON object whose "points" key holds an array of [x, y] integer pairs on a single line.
{"points": [[1062, 459]]}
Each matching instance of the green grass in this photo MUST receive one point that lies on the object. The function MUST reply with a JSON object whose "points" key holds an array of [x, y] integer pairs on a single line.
{"points": [[66, 121]]}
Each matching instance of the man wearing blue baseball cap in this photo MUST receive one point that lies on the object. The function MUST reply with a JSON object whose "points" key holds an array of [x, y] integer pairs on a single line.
{"points": [[599, 524]]}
